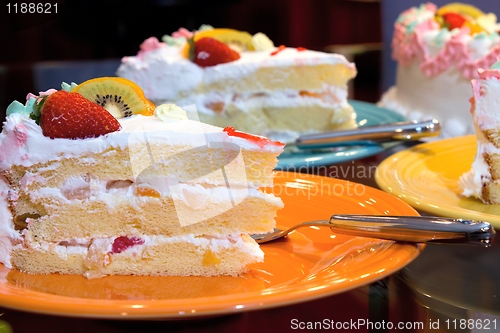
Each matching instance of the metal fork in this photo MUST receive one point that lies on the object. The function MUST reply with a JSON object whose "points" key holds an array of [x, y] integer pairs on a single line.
{"points": [[415, 229]]}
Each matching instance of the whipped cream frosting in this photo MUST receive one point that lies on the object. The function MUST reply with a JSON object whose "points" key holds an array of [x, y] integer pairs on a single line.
{"points": [[471, 182], [22, 142], [484, 103], [444, 97], [170, 113], [8, 234]]}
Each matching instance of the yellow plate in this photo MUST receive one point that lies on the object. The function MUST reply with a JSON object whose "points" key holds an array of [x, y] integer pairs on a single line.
{"points": [[309, 264], [426, 176]]}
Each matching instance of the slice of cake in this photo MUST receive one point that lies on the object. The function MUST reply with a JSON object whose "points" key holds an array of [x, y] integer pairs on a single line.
{"points": [[438, 52], [483, 180], [276, 92], [85, 193]]}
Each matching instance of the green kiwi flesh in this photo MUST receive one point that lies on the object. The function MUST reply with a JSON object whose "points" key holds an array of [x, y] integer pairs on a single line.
{"points": [[117, 98]]}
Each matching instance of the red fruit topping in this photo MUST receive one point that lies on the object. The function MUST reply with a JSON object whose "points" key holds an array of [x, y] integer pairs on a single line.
{"points": [[262, 142], [280, 48], [211, 52], [72, 116], [301, 49], [454, 20], [123, 242]]}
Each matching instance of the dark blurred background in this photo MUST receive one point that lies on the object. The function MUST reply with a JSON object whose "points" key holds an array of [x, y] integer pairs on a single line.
{"points": [[86, 39]]}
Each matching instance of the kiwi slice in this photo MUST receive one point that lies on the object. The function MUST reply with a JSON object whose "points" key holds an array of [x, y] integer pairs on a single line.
{"points": [[237, 40], [121, 97]]}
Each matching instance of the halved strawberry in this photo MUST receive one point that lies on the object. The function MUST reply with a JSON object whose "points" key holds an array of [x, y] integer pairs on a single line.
{"points": [[211, 52], [454, 20], [72, 116]]}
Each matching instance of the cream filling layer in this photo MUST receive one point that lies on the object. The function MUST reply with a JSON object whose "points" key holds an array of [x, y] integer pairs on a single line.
{"points": [[196, 196], [215, 243], [215, 102]]}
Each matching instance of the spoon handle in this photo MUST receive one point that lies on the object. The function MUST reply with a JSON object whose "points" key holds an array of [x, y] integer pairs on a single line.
{"points": [[412, 228]]}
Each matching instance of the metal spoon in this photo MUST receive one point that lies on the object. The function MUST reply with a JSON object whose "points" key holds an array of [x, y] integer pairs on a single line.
{"points": [[416, 229]]}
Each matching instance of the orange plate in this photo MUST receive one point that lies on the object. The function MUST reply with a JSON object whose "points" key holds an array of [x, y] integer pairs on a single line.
{"points": [[309, 264]]}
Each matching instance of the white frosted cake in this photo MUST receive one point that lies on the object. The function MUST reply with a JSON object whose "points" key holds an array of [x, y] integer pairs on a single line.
{"points": [[153, 195], [276, 92], [438, 52], [483, 180]]}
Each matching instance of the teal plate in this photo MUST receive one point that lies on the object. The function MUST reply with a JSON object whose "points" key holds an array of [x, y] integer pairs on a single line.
{"points": [[367, 114]]}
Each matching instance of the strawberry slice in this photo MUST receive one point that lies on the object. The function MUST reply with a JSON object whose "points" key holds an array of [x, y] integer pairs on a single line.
{"points": [[454, 20], [210, 52], [72, 116]]}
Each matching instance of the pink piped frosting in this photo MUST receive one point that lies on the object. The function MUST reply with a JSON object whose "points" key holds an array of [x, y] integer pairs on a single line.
{"points": [[150, 44], [476, 92], [40, 94], [183, 32], [476, 86], [410, 46], [21, 134], [488, 74]]}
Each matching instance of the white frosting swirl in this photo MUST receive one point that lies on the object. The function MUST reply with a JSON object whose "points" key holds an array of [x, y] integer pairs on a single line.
{"points": [[261, 42], [170, 113]]}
